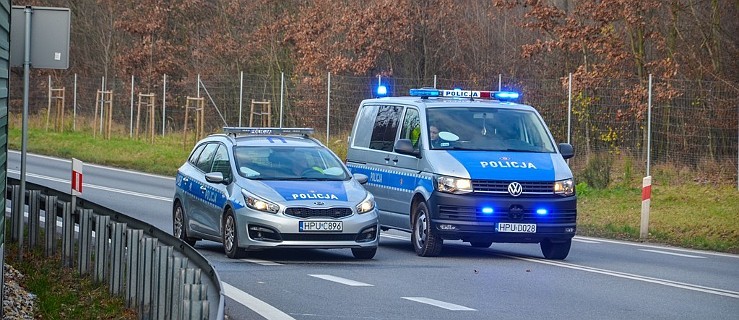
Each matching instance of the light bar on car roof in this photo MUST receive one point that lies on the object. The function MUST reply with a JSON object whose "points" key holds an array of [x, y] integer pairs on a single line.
{"points": [[265, 131], [458, 93]]}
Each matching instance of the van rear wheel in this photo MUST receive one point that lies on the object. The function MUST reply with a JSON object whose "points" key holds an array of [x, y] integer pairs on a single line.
{"points": [[555, 250], [425, 240]]}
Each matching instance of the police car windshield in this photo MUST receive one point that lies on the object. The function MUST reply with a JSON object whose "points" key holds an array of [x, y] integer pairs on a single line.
{"points": [[288, 163], [489, 129]]}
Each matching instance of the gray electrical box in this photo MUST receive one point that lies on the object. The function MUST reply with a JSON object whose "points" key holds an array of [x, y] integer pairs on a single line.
{"points": [[49, 37]]}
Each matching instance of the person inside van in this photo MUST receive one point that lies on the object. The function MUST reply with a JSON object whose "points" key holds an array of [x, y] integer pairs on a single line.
{"points": [[434, 139]]}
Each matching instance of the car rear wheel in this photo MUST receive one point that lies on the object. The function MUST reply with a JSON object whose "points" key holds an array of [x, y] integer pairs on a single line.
{"points": [[179, 229], [231, 237], [364, 253], [555, 250], [481, 244], [425, 240]]}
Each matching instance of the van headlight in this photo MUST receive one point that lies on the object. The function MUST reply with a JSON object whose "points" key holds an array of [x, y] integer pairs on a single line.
{"points": [[564, 187], [453, 185], [259, 204], [367, 205]]}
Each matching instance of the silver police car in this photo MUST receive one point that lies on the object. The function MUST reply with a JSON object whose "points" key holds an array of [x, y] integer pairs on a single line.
{"points": [[258, 188]]}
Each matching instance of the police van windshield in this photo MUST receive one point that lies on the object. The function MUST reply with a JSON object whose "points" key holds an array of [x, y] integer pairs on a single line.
{"points": [[288, 163], [490, 129]]}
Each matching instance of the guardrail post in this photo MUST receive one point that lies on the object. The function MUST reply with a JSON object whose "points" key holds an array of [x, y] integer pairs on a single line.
{"points": [[146, 261], [159, 289], [176, 280], [67, 234], [132, 266], [16, 214], [101, 247], [85, 237], [188, 276], [50, 225], [117, 257], [196, 301], [34, 217]]}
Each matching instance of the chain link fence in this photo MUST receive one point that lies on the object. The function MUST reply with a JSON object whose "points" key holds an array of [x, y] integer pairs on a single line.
{"points": [[696, 126]]}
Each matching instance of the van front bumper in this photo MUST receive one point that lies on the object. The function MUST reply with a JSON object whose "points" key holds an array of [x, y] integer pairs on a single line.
{"points": [[476, 217]]}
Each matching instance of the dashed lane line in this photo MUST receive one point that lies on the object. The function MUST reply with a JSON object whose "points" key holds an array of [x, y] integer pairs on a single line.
{"points": [[440, 304], [343, 281], [262, 308], [673, 253]]}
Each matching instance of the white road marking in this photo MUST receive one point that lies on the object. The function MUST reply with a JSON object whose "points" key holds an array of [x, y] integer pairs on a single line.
{"points": [[636, 244], [341, 280], [92, 186], [664, 282], [262, 308], [440, 304], [673, 254], [262, 262], [584, 241], [96, 166], [392, 236]]}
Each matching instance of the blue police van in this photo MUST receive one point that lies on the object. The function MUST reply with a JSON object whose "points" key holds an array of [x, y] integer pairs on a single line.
{"points": [[465, 165]]}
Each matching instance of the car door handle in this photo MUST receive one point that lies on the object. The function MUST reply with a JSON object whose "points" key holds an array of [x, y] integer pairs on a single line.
{"points": [[395, 161], [202, 188], [387, 158], [185, 179]]}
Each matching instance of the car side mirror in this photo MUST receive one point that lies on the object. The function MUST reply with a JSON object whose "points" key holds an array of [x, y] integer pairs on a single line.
{"points": [[405, 146], [566, 150], [361, 178], [215, 177]]}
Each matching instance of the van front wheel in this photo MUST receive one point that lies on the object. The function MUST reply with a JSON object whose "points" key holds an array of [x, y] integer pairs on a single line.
{"points": [[555, 250], [425, 240]]}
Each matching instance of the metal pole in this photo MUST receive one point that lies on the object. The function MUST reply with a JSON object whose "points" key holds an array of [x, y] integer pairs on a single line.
{"points": [[198, 84], [164, 105], [24, 138], [434, 81], [102, 101], [130, 133], [569, 108], [649, 124], [241, 94], [500, 81], [74, 105], [282, 92], [328, 107]]}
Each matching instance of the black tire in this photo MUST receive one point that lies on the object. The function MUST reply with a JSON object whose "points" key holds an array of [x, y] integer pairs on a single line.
{"points": [[231, 237], [555, 250], [481, 244], [179, 228], [364, 253], [424, 238]]}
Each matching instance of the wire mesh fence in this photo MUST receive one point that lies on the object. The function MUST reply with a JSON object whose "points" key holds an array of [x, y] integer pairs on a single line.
{"points": [[695, 126]]}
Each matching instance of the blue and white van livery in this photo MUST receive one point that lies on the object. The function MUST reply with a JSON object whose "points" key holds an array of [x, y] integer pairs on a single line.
{"points": [[465, 165]]}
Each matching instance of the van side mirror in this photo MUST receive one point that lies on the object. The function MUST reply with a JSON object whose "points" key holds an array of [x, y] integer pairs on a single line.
{"points": [[566, 150], [405, 146]]}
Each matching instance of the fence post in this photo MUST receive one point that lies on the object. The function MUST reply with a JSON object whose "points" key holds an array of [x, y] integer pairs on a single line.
{"points": [[50, 225], [569, 109], [241, 94], [130, 126], [74, 105], [117, 257], [132, 266], [34, 217], [67, 234], [85, 237], [101, 247], [328, 107], [282, 93], [164, 105]]}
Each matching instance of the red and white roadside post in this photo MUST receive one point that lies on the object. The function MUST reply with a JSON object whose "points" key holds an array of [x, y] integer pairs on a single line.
{"points": [[76, 182], [646, 198]]}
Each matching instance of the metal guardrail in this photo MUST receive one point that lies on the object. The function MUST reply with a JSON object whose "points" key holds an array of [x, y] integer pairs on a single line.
{"points": [[160, 276]]}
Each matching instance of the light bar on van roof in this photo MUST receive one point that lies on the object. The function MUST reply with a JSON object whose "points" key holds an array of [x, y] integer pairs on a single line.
{"points": [[458, 93], [263, 131]]}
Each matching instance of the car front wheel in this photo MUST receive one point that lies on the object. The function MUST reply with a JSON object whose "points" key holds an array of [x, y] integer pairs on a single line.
{"points": [[231, 237], [364, 253], [179, 229], [425, 240]]}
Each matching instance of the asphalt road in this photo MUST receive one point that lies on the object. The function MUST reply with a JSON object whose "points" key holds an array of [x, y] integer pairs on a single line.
{"points": [[601, 279]]}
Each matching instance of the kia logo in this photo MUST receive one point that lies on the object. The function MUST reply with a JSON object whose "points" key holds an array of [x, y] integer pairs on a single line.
{"points": [[319, 203], [515, 189]]}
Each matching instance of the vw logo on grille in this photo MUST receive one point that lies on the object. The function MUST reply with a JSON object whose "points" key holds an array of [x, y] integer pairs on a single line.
{"points": [[515, 189]]}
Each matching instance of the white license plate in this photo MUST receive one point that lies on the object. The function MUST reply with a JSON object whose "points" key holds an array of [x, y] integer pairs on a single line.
{"points": [[321, 226], [516, 227]]}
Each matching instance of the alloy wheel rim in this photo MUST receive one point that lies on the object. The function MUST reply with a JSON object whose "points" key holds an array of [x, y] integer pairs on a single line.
{"points": [[178, 223], [229, 233], [421, 229]]}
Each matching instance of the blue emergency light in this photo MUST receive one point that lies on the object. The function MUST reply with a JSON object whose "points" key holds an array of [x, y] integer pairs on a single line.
{"points": [[381, 91], [542, 212], [459, 93], [506, 95], [487, 210]]}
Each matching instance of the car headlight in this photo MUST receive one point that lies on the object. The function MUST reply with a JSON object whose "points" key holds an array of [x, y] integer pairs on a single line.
{"points": [[367, 205], [564, 187], [453, 185], [259, 204]]}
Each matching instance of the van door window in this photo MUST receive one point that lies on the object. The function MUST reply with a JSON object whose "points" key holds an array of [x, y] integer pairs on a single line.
{"points": [[386, 128], [411, 127]]}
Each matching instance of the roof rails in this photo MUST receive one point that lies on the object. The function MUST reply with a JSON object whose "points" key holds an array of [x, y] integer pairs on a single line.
{"points": [[236, 131]]}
